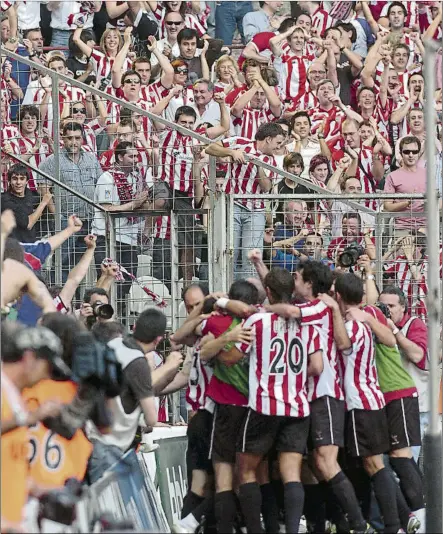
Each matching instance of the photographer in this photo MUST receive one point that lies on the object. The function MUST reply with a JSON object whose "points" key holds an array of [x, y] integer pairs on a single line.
{"points": [[29, 355], [411, 335], [355, 241], [91, 309], [140, 385]]}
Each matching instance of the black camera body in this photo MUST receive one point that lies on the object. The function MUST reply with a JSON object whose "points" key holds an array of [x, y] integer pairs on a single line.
{"points": [[384, 309], [100, 311], [60, 505], [350, 255]]}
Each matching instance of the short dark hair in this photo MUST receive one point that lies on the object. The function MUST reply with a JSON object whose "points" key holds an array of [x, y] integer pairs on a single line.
{"points": [[18, 169], [280, 283], [185, 110], [85, 36], [394, 290], [323, 82], [130, 72], [352, 215], [283, 121], [27, 32], [151, 323], [56, 57], [408, 140], [401, 45], [347, 27], [350, 288], [288, 23], [269, 129], [200, 285], [140, 59], [33, 111], [318, 274], [186, 34], [244, 291], [72, 126], [64, 327], [106, 331], [121, 148], [13, 250], [397, 4], [298, 115], [94, 291]]}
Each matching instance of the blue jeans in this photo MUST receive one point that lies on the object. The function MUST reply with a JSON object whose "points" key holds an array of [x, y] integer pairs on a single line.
{"points": [[102, 458], [424, 422], [249, 229], [60, 38], [228, 17], [73, 248]]}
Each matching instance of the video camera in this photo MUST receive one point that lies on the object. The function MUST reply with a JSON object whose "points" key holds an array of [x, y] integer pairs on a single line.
{"points": [[99, 375]]}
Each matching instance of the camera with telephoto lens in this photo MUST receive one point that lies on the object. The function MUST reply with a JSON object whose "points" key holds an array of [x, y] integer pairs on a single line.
{"points": [[350, 255], [384, 309], [100, 310], [99, 376], [60, 505]]}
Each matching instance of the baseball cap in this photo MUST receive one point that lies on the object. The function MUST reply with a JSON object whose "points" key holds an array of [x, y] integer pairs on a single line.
{"points": [[47, 346]]}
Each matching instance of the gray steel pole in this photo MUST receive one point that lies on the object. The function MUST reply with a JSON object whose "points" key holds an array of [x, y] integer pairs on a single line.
{"points": [[433, 439], [57, 192]]}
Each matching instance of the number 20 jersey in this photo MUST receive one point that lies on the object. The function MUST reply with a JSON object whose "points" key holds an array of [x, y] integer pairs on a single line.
{"points": [[278, 362]]}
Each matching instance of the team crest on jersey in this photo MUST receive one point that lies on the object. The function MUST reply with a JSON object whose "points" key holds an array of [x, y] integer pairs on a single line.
{"points": [[108, 194]]}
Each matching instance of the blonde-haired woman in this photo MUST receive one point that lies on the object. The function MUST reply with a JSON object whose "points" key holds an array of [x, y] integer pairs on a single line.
{"points": [[110, 44], [226, 72]]}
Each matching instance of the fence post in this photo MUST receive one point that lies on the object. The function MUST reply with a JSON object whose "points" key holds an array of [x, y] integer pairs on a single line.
{"points": [[57, 190], [111, 252], [378, 250], [216, 233], [433, 438], [175, 258]]}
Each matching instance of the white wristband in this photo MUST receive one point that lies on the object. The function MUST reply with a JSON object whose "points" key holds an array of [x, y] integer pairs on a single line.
{"points": [[222, 302], [370, 277], [396, 331]]}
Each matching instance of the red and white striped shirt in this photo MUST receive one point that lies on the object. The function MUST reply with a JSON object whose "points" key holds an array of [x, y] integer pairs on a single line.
{"points": [[154, 92], [317, 314], [247, 125], [362, 390], [321, 20], [113, 109], [73, 94], [292, 72], [176, 161], [278, 363], [103, 64], [191, 21], [242, 179], [308, 100], [199, 377], [425, 20], [333, 120], [90, 131], [25, 146], [162, 227]]}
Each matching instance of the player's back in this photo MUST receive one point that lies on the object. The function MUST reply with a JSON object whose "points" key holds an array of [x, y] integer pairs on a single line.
{"points": [[278, 365]]}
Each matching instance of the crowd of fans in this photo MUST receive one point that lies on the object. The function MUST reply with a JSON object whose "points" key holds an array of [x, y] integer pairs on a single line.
{"points": [[332, 93]]}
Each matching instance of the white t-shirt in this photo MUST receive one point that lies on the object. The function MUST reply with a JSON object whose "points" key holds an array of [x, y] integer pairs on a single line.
{"points": [[106, 192], [59, 16], [28, 14]]}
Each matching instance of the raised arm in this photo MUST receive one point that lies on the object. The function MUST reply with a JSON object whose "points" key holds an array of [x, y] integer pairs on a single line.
{"points": [[79, 272], [225, 124], [433, 27], [272, 97], [37, 213], [83, 47], [116, 72], [167, 76], [276, 42], [243, 100]]}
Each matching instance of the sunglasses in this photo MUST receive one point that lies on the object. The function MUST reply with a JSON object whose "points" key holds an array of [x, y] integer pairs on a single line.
{"points": [[79, 110], [130, 82], [173, 23], [181, 70], [407, 152]]}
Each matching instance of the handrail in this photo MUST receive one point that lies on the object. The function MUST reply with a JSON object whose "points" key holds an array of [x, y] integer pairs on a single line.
{"points": [[172, 125], [333, 196], [106, 96], [55, 181]]}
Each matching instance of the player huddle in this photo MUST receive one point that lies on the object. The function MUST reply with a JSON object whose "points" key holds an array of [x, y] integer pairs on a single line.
{"points": [[307, 393]]}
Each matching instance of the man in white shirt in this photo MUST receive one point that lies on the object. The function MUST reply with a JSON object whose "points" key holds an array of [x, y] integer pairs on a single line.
{"points": [[121, 188]]}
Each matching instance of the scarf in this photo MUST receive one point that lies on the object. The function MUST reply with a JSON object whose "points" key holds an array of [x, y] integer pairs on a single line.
{"points": [[80, 18], [124, 189]]}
